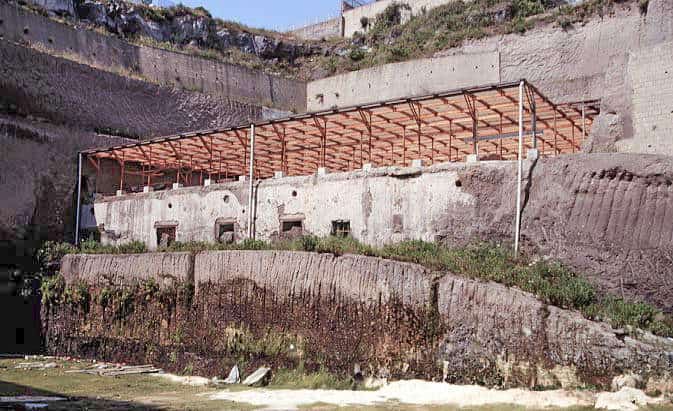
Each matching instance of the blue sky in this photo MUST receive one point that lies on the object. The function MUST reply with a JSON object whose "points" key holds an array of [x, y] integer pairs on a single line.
{"points": [[271, 14]]}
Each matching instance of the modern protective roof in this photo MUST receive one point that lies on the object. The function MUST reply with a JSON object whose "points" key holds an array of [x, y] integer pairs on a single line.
{"points": [[435, 128]]}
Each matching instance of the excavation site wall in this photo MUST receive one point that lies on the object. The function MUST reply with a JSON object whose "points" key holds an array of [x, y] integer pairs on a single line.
{"points": [[78, 95], [221, 80], [624, 59], [605, 215], [206, 312]]}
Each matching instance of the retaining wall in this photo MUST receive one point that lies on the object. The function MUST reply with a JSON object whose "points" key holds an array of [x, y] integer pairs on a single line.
{"points": [[353, 17], [402, 80], [161, 66], [319, 31], [324, 311]]}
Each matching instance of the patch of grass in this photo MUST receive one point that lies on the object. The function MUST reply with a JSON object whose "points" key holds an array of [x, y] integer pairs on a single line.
{"points": [[298, 379], [94, 247]]}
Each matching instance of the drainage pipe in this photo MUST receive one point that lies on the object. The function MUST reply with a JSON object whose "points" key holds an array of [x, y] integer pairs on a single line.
{"points": [[79, 196], [517, 226], [251, 231]]}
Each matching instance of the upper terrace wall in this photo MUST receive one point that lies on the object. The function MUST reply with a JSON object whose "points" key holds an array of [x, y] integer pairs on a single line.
{"points": [[157, 65], [406, 79], [353, 17], [604, 214], [318, 31]]}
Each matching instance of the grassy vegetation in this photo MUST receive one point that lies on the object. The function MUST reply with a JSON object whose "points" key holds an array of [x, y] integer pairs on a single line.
{"points": [[552, 282]]}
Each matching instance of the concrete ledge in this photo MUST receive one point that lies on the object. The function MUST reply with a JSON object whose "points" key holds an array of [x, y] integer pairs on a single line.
{"points": [[278, 174], [472, 158], [148, 189], [322, 171], [176, 186], [119, 193]]}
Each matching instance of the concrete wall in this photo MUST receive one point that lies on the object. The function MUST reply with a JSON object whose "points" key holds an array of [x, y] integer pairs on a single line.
{"points": [[381, 207], [352, 17], [323, 30], [406, 79], [651, 77], [157, 65]]}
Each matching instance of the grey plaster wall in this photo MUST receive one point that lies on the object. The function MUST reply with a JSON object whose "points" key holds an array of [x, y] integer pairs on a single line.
{"points": [[406, 79], [161, 66], [382, 207]]}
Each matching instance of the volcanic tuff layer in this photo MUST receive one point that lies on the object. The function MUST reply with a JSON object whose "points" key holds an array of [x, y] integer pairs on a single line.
{"points": [[335, 311]]}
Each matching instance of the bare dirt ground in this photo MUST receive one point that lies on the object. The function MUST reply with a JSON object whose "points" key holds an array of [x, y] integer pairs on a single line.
{"points": [[149, 392]]}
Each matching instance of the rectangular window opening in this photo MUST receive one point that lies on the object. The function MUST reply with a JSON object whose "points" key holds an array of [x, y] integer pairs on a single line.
{"points": [[292, 226], [166, 236], [225, 232], [341, 228]]}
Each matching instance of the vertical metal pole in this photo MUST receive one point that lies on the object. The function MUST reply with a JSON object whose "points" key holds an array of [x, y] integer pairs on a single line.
{"points": [[584, 123], [534, 120], [517, 227], [555, 134], [404, 146], [251, 233], [79, 196]]}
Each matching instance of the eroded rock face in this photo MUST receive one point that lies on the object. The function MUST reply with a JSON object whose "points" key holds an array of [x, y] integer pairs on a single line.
{"points": [[128, 20], [320, 310]]}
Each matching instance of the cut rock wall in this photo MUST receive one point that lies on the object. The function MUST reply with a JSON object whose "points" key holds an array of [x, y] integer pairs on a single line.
{"points": [[221, 80], [77, 95], [37, 179], [340, 311]]}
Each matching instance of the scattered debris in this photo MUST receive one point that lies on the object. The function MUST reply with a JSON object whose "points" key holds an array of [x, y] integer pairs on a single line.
{"points": [[109, 370], [234, 376], [36, 365], [373, 382], [186, 380], [627, 399], [626, 380], [259, 377], [29, 399]]}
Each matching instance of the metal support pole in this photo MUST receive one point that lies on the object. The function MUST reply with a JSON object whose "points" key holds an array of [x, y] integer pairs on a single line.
{"points": [[534, 121], [517, 227], [251, 233], [79, 196], [584, 122]]}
